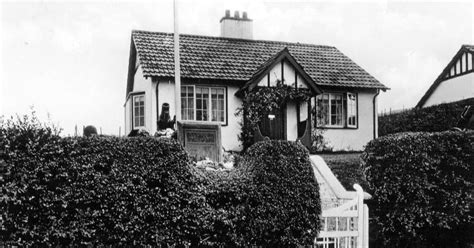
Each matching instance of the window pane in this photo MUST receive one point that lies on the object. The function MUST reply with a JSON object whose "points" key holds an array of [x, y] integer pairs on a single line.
{"points": [[138, 111], [322, 109], [336, 109], [199, 115], [351, 110]]}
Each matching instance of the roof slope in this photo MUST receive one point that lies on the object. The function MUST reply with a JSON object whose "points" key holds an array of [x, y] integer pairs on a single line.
{"points": [[440, 78], [208, 57]]}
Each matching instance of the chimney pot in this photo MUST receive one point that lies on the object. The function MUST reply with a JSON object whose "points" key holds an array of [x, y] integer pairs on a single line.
{"points": [[236, 27]]}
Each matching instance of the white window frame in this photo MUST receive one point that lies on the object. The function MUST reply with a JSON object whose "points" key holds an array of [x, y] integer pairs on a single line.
{"points": [[348, 109], [345, 110], [331, 97], [209, 109], [133, 111]]}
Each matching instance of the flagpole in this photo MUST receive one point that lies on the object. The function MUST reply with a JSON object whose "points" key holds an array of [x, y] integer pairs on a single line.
{"points": [[177, 68]]}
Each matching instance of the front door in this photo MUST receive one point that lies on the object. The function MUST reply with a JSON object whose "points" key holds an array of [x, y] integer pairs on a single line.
{"points": [[272, 125]]}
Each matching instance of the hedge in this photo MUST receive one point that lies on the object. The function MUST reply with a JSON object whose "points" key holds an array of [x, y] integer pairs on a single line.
{"points": [[95, 191], [422, 184], [284, 207], [143, 191], [435, 118], [270, 200]]}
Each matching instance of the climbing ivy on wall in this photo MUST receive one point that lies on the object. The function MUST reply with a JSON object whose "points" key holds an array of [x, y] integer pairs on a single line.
{"points": [[263, 100]]}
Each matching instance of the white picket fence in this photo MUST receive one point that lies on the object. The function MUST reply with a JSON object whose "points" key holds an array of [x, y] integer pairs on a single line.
{"points": [[345, 217]]}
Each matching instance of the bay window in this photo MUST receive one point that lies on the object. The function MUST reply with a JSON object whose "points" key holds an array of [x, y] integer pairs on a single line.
{"points": [[138, 111], [336, 110], [203, 103]]}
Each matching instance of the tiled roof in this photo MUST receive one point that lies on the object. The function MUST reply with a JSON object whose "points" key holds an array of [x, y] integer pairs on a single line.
{"points": [[208, 57]]}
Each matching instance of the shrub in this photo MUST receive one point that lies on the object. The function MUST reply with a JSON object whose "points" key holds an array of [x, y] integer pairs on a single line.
{"points": [[283, 205], [227, 194], [89, 131], [436, 118], [95, 191], [422, 184]]}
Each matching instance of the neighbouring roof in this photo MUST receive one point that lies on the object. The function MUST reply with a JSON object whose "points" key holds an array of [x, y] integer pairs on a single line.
{"points": [[464, 48], [206, 57], [469, 47]]}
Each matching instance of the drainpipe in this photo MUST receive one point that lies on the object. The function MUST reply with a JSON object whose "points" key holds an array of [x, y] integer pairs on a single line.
{"points": [[157, 105], [375, 114]]}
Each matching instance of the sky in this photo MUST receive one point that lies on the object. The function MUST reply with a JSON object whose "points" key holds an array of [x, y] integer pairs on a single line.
{"points": [[69, 59]]}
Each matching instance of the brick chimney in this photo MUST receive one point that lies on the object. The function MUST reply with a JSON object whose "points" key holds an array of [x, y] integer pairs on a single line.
{"points": [[236, 26]]}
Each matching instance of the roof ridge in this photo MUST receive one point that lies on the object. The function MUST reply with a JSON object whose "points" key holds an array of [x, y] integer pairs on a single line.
{"points": [[227, 38]]}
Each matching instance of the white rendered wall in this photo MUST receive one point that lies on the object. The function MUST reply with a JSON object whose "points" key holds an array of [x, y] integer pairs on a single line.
{"points": [[291, 122], [128, 117], [355, 139], [452, 90], [142, 85], [230, 140], [288, 76]]}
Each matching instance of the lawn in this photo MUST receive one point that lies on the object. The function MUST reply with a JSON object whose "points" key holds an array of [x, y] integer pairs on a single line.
{"points": [[346, 167]]}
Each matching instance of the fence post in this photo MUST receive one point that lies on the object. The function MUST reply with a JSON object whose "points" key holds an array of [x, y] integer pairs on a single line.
{"points": [[360, 215], [366, 226]]}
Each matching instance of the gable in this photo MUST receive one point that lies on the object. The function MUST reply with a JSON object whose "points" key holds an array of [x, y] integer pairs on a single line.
{"points": [[462, 63], [284, 72], [284, 68]]}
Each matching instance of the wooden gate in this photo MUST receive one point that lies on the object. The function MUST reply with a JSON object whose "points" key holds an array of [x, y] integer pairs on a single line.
{"points": [[344, 217], [345, 226]]}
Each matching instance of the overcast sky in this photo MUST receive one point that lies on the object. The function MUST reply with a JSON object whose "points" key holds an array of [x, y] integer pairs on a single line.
{"points": [[69, 59]]}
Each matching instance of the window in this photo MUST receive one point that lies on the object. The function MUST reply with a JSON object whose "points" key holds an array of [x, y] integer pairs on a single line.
{"points": [[351, 110], [199, 103], [187, 102], [138, 111], [336, 110]]}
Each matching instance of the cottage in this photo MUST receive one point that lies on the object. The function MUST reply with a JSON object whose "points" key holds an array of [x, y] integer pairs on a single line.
{"points": [[456, 81], [216, 73]]}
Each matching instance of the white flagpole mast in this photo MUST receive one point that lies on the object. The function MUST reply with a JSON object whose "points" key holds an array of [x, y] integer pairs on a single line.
{"points": [[177, 68]]}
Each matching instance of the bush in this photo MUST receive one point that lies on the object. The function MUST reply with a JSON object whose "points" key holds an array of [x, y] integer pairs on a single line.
{"points": [[436, 118], [95, 191], [270, 200], [283, 205], [89, 131], [227, 194], [422, 184]]}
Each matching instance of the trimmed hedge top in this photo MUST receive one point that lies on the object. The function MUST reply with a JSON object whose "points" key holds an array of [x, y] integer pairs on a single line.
{"points": [[436, 118]]}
